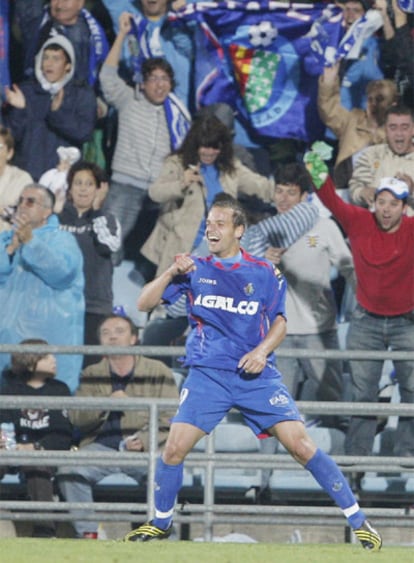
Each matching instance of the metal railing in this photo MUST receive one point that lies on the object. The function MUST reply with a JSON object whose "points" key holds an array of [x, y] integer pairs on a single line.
{"points": [[208, 513], [176, 351]]}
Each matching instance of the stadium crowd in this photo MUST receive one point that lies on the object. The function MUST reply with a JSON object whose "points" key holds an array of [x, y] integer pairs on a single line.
{"points": [[114, 143]]}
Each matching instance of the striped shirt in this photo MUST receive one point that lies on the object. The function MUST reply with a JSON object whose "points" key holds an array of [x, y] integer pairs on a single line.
{"points": [[280, 230], [143, 139]]}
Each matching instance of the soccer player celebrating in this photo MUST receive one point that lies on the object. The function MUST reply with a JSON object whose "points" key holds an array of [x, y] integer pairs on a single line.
{"points": [[236, 307]]}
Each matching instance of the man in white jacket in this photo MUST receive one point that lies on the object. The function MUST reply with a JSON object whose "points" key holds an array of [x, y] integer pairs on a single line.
{"points": [[311, 308]]}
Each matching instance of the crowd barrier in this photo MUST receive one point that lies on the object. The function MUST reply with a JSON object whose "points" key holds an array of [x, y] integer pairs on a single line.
{"points": [[209, 512]]}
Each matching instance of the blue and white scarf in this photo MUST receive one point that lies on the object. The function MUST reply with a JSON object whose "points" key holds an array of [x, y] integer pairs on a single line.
{"points": [[178, 120], [99, 46], [142, 48], [351, 43], [138, 46], [98, 42]]}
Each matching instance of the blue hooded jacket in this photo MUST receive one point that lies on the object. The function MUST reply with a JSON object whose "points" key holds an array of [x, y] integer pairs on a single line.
{"points": [[42, 294]]}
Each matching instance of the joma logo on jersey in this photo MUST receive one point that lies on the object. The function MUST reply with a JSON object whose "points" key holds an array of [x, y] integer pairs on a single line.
{"points": [[207, 280], [227, 304]]}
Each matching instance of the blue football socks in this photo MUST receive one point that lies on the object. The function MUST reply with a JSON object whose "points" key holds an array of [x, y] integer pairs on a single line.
{"points": [[332, 480], [168, 481]]}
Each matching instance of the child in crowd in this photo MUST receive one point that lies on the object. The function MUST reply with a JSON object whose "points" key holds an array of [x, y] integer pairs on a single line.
{"points": [[51, 110]]}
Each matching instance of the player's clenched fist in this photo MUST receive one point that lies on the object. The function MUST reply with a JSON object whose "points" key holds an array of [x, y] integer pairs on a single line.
{"points": [[183, 263]]}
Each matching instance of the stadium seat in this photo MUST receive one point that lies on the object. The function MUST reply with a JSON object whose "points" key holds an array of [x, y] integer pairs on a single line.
{"points": [[231, 437]]}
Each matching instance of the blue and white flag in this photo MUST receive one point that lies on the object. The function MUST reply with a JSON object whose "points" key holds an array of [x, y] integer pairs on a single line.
{"points": [[178, 120], [264, 58], [351, 43], [4, 46], [140, 45]]}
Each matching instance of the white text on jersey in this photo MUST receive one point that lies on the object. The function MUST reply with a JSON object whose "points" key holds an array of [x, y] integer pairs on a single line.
{"points": [[227, 304]]}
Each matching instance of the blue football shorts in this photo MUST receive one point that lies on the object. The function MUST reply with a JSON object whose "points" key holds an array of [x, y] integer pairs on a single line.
{"points": [[209, 393]]}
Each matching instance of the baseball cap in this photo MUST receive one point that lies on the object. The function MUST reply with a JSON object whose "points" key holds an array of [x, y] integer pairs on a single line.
{"points": [[397, 187]]}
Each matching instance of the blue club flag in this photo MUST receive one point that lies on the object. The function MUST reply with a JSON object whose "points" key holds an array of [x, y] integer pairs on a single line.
{"points": [[263, 58], [4, 46]]}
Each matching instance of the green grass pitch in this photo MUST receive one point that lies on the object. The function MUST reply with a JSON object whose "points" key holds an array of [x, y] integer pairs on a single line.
{"points": [[21, 550]]}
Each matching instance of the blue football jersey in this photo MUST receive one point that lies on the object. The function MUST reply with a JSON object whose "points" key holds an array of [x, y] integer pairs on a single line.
{"points": [[230, 307]]}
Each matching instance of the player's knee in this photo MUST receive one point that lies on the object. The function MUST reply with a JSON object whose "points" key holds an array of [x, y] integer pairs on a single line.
{"points": [[302, 449], [173, 453]]}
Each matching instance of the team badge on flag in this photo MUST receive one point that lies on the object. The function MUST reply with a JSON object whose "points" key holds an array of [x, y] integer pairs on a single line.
{"points": [[263, 58], [255, 72]]}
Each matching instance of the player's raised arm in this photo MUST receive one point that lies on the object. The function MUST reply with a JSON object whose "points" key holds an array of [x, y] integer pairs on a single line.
{"points": [[151, 293]]}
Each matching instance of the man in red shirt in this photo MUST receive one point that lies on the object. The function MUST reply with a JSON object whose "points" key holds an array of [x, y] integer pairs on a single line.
{"points": [[382, 243]]}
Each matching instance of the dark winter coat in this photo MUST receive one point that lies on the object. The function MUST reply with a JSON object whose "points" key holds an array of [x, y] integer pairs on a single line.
{"points": [[38, 131]]}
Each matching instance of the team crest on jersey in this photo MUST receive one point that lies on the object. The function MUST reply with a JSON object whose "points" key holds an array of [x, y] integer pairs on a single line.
{"points": [[249, 289], [312, 241]]}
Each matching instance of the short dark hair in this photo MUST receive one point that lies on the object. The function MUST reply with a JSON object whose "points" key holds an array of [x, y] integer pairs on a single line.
{"points": [[295, 174], [366, 4], [399, 109], [132, 325], [97, 172], [24, 364], [149, 65], [404, 200], [57, 47], [226, 201]]}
